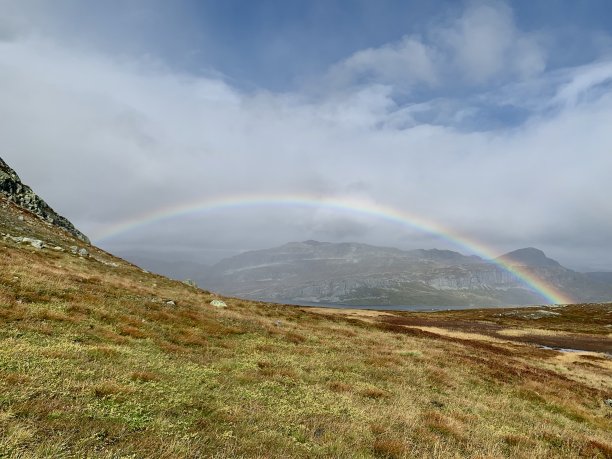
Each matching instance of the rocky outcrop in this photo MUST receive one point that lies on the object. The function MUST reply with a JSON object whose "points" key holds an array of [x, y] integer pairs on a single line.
{"points": [[23, 196]]}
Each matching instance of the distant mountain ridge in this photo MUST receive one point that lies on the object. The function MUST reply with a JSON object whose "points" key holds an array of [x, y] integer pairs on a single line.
{"points": [[361, 274], [23, 196], [529, 257]]}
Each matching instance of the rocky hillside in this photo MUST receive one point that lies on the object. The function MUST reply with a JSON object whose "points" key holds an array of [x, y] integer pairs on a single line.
{"points": [[22, 195], [359, 274]]}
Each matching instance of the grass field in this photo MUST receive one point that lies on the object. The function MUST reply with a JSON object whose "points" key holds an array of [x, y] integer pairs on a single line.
{"points": [[94, 362]]}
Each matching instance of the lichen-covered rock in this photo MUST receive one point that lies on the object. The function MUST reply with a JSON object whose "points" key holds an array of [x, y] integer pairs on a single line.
{"points": [[36, 243], [218, 304], [23, 196]]}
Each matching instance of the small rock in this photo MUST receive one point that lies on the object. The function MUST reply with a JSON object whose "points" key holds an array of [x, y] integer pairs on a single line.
{"points": [[608, 402], [112, 264], [58, 248], [20, 218], [540, 313], [36, 243], [170, 303], [218, 304], [190, 283], [74, 249], [278, 323], [83, 253], [548, 313]]}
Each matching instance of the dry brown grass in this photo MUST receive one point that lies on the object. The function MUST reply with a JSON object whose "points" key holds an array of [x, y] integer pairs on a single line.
{"points": [[295, 338], [338, 386], [595, 448], [375, 393], [128, 330], [145, 376], [14, 379], [442, 425], [389, 448], [108, 388]]}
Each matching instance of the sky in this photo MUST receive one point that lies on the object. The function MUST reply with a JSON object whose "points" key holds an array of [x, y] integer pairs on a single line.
{"points": [[491, 118]]}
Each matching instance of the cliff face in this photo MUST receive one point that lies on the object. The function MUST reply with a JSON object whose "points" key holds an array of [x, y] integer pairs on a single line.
{"points": [[22, 195]]}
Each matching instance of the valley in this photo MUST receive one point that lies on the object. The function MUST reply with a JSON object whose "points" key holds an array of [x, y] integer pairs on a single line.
{"points": [[101, 358]]}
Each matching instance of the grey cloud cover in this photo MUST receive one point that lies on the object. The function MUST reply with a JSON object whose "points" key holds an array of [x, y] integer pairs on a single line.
{"points": [[105, 137]]}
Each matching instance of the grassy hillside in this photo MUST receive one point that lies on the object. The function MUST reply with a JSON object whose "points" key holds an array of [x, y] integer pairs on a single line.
{"points": [[95, 362]]}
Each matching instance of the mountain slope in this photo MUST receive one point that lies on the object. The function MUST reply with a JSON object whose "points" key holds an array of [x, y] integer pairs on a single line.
{"points": [[360, 274], [348, 273], [101, 359], [22, 195], [603, 277]]}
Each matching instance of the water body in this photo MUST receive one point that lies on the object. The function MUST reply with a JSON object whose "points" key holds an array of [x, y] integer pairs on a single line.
{"points": [[571, 350], [402, 307]]}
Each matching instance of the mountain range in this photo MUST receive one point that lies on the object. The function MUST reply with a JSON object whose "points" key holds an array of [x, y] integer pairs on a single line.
{"points": [[359, 274]]}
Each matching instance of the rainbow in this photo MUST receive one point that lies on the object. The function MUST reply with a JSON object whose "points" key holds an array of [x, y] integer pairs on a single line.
{"points": [[360, 206]]}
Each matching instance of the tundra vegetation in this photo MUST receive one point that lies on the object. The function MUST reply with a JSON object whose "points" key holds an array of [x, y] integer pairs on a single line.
{"points": [[101, 359]]}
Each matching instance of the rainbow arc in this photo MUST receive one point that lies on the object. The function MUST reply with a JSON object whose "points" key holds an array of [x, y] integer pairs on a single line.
{"points": [[548, 292]]}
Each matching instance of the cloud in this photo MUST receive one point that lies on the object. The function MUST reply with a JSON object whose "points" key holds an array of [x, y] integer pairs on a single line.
{"points": [[485, 43], [406, 62], [583, 81], [482, 45], [104, 138]]}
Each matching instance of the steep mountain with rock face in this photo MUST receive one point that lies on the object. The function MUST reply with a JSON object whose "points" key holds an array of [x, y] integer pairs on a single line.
{"points": [[22, 195], [360, 274]]}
